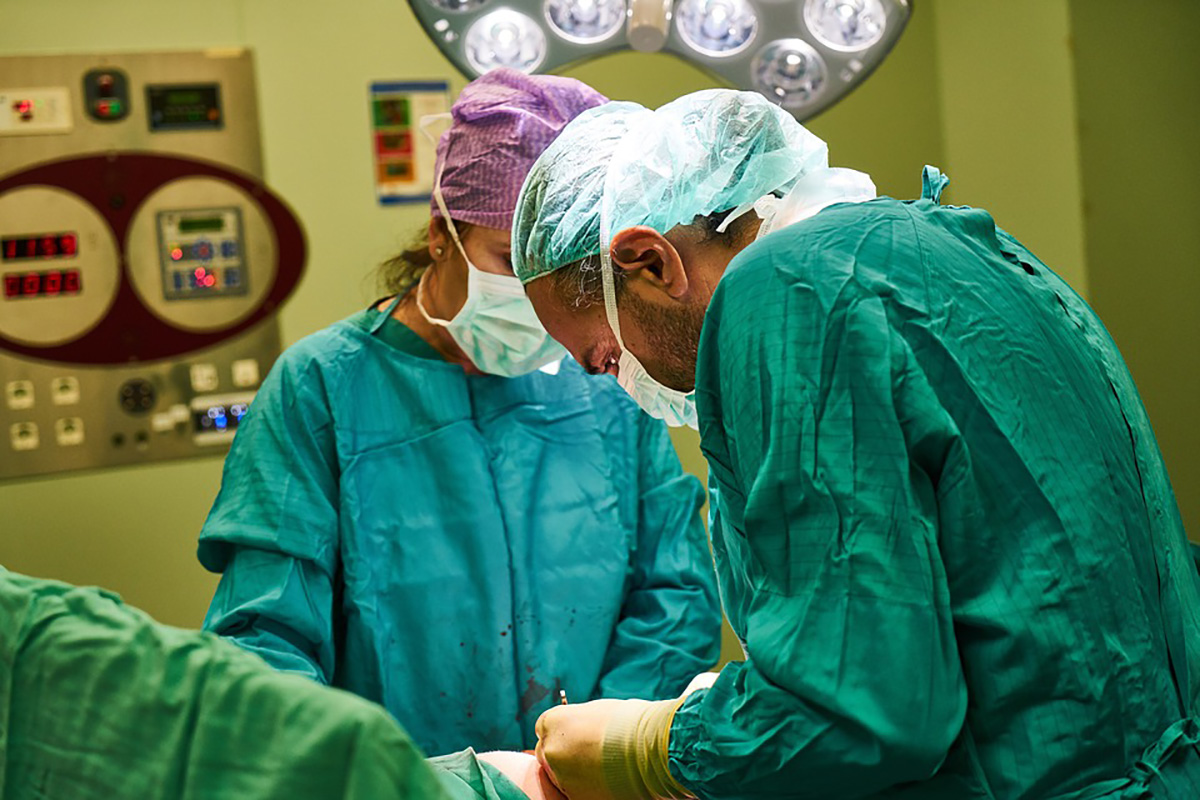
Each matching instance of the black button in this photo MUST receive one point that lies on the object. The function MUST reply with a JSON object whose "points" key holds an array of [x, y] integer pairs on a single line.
{"points": [[137, 396]]}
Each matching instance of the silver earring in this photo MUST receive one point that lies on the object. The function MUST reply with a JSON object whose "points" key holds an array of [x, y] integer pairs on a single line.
{"points": [[439, 251]]}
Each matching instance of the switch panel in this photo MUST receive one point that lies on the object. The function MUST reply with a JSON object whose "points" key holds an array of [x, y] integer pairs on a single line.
{"points": [[35, 111], [106, 94]]}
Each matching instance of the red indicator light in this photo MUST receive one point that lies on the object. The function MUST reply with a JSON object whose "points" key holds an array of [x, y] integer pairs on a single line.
{"points": [[41, 284], [41, 246], [23, 106], [203, 278]]}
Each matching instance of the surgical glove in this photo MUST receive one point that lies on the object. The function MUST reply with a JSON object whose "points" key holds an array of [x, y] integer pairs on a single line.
{"points": [[610, 749]]}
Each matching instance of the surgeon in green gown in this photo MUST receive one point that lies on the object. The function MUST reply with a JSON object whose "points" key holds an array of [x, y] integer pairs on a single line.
{"points": [[943, 529]]}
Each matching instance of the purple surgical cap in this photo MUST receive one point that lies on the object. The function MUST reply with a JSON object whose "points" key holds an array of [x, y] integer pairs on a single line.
{"points": [[502, 123]]}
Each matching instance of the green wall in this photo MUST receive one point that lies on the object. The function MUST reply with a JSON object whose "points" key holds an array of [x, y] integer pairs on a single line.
{"points": [[1139, 110], [1008, 100]]}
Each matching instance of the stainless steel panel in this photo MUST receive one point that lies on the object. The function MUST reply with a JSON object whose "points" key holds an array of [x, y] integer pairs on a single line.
{"points": [[235, 145], [57, 417], [105, 431]]}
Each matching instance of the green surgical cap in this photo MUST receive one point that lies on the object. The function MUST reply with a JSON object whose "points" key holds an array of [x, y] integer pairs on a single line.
{"points": [[619, 165]]}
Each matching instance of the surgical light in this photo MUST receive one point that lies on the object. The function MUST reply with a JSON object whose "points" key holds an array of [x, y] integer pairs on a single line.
{"points": [[585, 21], [790, 72], [846, 25], [716, 27], [505, 38], [805, 55], [457, 5]]}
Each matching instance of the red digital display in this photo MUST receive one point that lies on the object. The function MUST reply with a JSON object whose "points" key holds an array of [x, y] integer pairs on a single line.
{"points": [[47, 245], [51, 283]]}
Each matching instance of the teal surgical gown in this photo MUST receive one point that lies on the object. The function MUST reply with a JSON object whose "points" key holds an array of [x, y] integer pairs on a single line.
{"points": [[458, 548], [944, 531]]}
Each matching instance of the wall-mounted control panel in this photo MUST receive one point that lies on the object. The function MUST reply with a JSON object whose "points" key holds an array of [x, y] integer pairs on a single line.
{"points": [[142, 259]]}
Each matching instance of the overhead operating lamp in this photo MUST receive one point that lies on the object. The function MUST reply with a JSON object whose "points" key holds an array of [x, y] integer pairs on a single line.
{"points": [[803, 54]]}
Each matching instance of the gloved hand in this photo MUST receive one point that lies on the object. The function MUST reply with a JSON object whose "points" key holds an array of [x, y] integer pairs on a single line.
{"points": [[609, 749]]}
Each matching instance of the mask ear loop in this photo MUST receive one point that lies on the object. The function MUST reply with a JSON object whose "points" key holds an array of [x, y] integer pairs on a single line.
{"points": [[607, 278], [424, 124], [432, 320]]}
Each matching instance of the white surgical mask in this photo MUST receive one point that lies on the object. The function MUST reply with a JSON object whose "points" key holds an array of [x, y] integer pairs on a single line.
{"points": [[672, 406], [497, 327]]}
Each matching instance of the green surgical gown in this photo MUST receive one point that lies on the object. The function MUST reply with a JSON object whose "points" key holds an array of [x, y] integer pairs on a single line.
{"points": [[943, 528], [99, 702], [458, 548]]}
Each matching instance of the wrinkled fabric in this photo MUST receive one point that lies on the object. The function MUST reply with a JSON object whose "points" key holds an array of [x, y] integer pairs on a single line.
{"points": [[943, 528], [100, 702], [458, 548], [622, 165], [464, 777], [502, 121]]}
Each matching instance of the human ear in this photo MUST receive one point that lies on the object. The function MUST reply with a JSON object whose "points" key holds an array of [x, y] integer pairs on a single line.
{"points": [[438, 238], [645, 254]]}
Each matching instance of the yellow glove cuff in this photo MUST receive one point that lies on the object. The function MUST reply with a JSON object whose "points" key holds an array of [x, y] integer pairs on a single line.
{"points": [[633, 753]]}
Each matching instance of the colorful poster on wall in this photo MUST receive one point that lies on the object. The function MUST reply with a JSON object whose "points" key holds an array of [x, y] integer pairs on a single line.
{"points": [[403, 157]]}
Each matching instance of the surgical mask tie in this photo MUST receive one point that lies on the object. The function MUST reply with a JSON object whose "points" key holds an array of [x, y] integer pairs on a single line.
{"points": [[497, 327], [766, 207], [813, 192]]}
